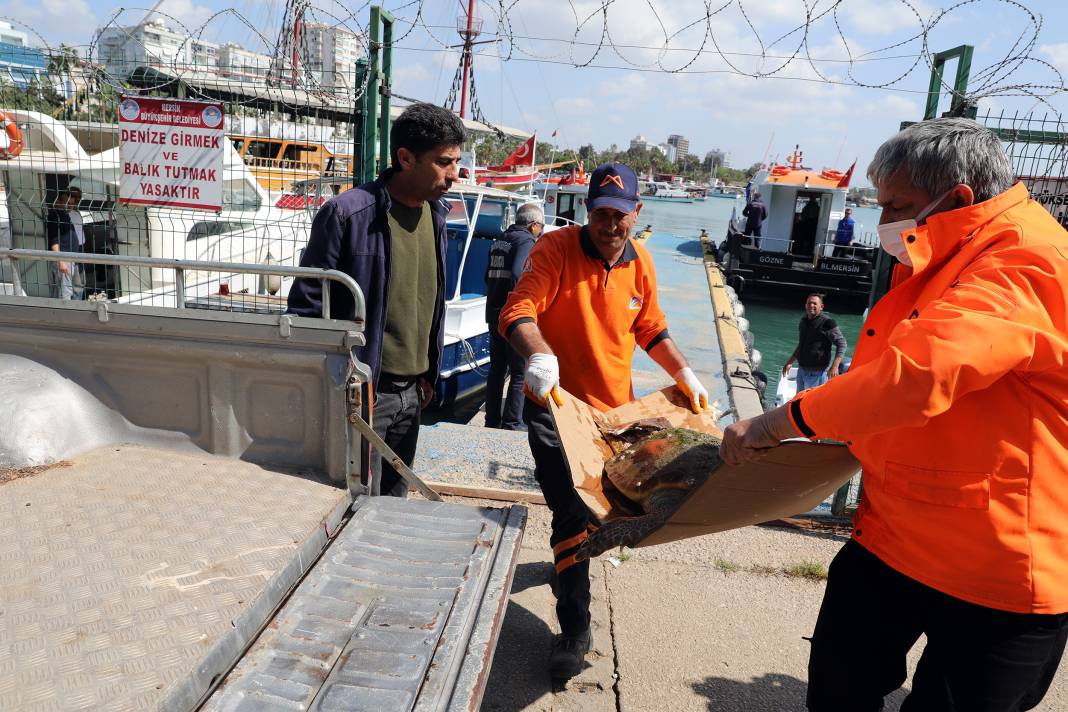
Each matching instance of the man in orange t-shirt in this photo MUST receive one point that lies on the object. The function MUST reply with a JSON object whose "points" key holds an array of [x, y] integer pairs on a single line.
{"points": [[586, 299], [956, 405]]}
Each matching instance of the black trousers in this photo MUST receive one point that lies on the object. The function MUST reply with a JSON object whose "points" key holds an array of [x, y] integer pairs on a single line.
{"points": [[571, 520], [504, 361], [396, 420], [977, 659]]}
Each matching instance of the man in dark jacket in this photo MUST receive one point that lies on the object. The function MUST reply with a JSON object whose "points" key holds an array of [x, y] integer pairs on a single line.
{"points": [[389, 235], [507, 258], [816, 333], [65, 232], [755, 213]]}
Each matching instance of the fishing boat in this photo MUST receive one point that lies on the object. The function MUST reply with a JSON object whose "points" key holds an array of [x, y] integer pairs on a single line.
{"points": [[659, 191], [277, 163], [725, 192], [797, 250]]}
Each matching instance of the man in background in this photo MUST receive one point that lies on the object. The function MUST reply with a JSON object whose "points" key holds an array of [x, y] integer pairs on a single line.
{"points": [[816, 333], [843, 235], [66, 233], [507, 258], [755, 213]]}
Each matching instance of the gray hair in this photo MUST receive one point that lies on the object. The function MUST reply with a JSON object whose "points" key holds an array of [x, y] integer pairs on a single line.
{"points": [[528, 214], [941, 153]]}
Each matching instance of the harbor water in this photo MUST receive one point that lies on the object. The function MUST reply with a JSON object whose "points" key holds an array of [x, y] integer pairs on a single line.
{"points": [[676, 227]]}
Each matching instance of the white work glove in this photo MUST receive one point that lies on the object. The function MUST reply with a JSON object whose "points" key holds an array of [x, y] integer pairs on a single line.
{"points": [[687, 382], [542, 377]]}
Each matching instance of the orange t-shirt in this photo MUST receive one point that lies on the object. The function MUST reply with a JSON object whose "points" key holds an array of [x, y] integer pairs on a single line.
{"points": [[592, 314]]}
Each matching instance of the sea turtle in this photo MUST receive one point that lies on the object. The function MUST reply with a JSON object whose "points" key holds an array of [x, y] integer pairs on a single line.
{"points": [[654, 474]]}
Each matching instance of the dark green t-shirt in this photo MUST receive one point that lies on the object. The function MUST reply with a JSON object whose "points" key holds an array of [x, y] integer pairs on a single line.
{"points": [[413, 288]]}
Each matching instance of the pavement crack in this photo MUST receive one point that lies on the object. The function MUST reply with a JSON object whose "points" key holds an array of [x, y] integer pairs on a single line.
{"points": [[616, 676]]}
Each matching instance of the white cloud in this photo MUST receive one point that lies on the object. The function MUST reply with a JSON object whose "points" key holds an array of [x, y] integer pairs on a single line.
{"points": [[191, 15], [55, 20], [574, 105], [1057, 53]]}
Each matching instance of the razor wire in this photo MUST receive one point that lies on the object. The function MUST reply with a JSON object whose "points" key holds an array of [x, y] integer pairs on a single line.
{"points": [[586, 35]]}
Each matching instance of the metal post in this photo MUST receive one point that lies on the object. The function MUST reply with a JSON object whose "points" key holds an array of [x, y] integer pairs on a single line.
{"points": [[325, 284], [358, 119], [963, 55], [179, 287], [386, 90], [467, 58], [368, 170]]}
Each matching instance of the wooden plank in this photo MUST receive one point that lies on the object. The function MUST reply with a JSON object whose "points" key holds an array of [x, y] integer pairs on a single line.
{"points": [[497, 494]]}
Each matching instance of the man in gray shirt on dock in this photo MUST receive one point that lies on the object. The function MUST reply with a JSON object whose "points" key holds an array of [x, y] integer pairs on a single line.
{"points": [[816, 333]]}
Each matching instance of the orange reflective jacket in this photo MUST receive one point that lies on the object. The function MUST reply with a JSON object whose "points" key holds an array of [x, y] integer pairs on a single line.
{"points": [[956, 405]]}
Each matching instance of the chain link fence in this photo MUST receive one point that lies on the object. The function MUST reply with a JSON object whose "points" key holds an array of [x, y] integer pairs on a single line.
{"points": [[288, 146]]}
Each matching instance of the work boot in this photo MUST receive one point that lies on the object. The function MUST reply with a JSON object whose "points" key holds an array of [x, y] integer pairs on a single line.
{"points": [[568, 655]]}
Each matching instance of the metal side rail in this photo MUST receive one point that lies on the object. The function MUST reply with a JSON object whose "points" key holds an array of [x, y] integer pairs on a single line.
{"points": [[401, 613]]}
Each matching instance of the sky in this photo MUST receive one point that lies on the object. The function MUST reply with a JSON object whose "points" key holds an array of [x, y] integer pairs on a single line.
{"points": [[728, 97]]}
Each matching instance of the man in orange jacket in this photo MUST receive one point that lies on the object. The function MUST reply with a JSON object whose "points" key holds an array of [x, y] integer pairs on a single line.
{"points": [[586, 299], [956, 405]]}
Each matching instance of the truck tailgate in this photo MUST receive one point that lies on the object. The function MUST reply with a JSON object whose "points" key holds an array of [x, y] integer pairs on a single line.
{"points": [[401, 613]]}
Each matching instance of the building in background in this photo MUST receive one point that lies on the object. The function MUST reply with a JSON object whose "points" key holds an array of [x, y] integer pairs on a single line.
{"points": [[151, 44], [239, 63], [332, 53], [20, 64], [639, 142], [681, 144], [670, 152], [204, 56], [10, 36]]}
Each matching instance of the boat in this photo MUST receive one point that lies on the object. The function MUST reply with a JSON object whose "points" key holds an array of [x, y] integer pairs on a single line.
{"points": [[277, 163], [725, 192], [564, 203], [659, 191], [248, 229], [478, 215], [644, 235], [797, 250]]}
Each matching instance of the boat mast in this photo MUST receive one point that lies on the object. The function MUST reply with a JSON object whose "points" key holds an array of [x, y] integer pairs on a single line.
{"points": [[469, 26]]}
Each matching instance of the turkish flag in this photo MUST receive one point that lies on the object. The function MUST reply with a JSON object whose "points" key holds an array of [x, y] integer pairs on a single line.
{"points": [[844, 183], [522, 156]]}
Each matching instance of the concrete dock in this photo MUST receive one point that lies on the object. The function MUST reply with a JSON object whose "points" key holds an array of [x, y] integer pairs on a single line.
{"points": [[716, 624]]}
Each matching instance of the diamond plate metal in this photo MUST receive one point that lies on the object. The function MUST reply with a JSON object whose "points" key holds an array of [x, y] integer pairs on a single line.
{"points": [[403, 609], [130, 576]]}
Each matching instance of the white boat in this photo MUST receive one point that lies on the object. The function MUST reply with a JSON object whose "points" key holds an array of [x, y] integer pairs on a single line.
{"points": [[249, 229], [659, 191]]}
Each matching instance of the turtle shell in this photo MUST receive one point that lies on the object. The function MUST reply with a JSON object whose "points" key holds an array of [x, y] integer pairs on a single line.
{"points": [[674, 458]]}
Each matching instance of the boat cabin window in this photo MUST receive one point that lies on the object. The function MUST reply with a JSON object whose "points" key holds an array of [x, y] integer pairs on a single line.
{"points": [[298, 152], [240, 195], [239, 144], [212, 228], [566, 204], [263, 149]]}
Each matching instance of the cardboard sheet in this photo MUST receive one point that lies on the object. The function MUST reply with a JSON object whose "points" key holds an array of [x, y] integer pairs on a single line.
{"points": [[793, 478]]}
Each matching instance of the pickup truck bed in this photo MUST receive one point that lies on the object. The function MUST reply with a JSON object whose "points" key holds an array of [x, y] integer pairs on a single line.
{"points": [[130, 574], [134, 578]]}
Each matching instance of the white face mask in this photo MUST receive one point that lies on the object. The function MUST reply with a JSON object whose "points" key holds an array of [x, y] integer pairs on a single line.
{"points": [[890, 233]]}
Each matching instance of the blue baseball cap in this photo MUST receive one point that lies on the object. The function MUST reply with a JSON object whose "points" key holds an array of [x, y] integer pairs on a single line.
{"points": [[613, 185]]}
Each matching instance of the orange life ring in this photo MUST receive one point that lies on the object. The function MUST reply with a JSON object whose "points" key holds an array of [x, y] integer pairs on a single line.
{"points": [[831, 174], [14, 137], [779, 170]]}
